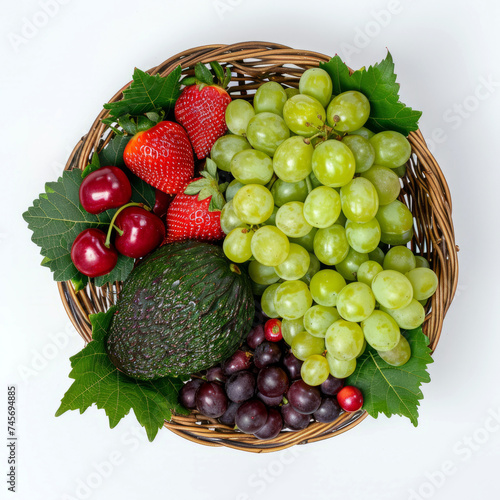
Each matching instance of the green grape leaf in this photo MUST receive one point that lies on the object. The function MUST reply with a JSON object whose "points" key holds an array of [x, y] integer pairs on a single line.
{"points": [[147, 93], [112, 154], [393, 390], [97, 381], [378, 83]]}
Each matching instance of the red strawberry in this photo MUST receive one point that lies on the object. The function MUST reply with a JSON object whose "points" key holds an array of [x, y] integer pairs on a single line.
{"points": [[195, 214], [161, 156], [201, 109]]}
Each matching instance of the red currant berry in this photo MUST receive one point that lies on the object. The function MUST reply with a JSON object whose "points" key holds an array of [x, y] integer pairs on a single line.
{"points": [[91, 256], [105, 188], [350, 398], [141, 232], [272, 330]]}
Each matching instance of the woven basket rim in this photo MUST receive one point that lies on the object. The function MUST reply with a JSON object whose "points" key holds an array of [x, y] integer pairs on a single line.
{"points": [[431, 183]]}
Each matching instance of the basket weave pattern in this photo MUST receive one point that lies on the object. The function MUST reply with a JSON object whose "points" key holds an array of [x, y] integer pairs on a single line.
{"points": [[424, 191]]}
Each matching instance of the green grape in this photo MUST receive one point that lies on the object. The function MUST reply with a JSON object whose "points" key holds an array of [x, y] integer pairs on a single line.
{"points": [[386, 183], [424, 282], [342, 220], [330, 245], [272, 218], [398, 355], [363, 237], [261, 274], [344, 340], [325, 287], [322, 207], [400, 171], [253, 203], [408, 317], [392, 149], [363, 152], [295, 265], [252, 167], [270, 97], [283, 192], [359, 200], [225, 148], [421, 261], [228, 218], [314, 267], [399, 258], [333, 163], [340, 369], [367, 271], [363, 132], [316, 82], [349, 266], [304, 115], [266, 131], [394, 218], [237, 245], [306, 241], [305, 345], [290, 219], [318, 318], [348, 111], [315, 370], [270, 246], [293, 299], [238, 113], [397, 238], [362, 349], [290, 328], [355, 302], [268, 301], [392, 289], [377, 255], [232, 189], [291, 91], [314, 181], [292, 160], [381, 331], [258, 289]]}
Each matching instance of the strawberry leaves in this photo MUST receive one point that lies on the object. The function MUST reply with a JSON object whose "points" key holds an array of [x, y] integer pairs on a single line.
{"points": [[378, 83], [393, 390], [147, 93], [207, 186], [97, 381]]}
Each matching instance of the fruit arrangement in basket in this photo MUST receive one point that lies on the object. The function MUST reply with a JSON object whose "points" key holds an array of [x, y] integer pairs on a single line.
{"points": [[267, 267]]}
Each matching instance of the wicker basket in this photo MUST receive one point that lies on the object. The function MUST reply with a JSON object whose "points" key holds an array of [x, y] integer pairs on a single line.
{"points": [[424, 191]]}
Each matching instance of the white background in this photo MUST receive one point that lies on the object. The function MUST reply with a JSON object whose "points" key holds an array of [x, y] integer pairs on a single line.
{"points": [[55, 78]]}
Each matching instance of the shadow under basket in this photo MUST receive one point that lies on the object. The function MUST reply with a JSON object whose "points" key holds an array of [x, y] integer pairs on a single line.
{"points": [[424, 191]]}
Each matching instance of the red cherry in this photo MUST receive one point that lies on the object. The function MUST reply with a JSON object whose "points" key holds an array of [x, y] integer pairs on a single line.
{"points": [[350, 398], [143, 231], [105, 188], [162, 202], [90, 254], [272, 330]]}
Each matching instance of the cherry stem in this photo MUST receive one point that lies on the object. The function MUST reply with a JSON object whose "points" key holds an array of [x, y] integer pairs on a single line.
{"points": [[112, 226]]}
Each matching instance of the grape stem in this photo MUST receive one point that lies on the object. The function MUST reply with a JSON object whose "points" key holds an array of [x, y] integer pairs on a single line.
{"points": [[112, 225]]}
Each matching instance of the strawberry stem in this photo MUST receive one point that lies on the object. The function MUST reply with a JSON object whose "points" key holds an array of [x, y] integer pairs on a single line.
{"points": [[112, 225]]}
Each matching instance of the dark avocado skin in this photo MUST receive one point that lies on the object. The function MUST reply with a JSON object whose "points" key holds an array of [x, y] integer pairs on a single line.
{"points": [[181, 310]]}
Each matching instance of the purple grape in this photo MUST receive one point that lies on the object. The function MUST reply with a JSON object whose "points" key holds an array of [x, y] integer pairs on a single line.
{"points": [[227, 418], [188, 392], [276, 401], [292, 365], [240, 360], [211, 400], [256, 336], [251, 416], [272, 427], [272, 381], [331, 386], [304, 398], [267, 353], [240, 386], [215, 374], [293, 419], [328, 411]]}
